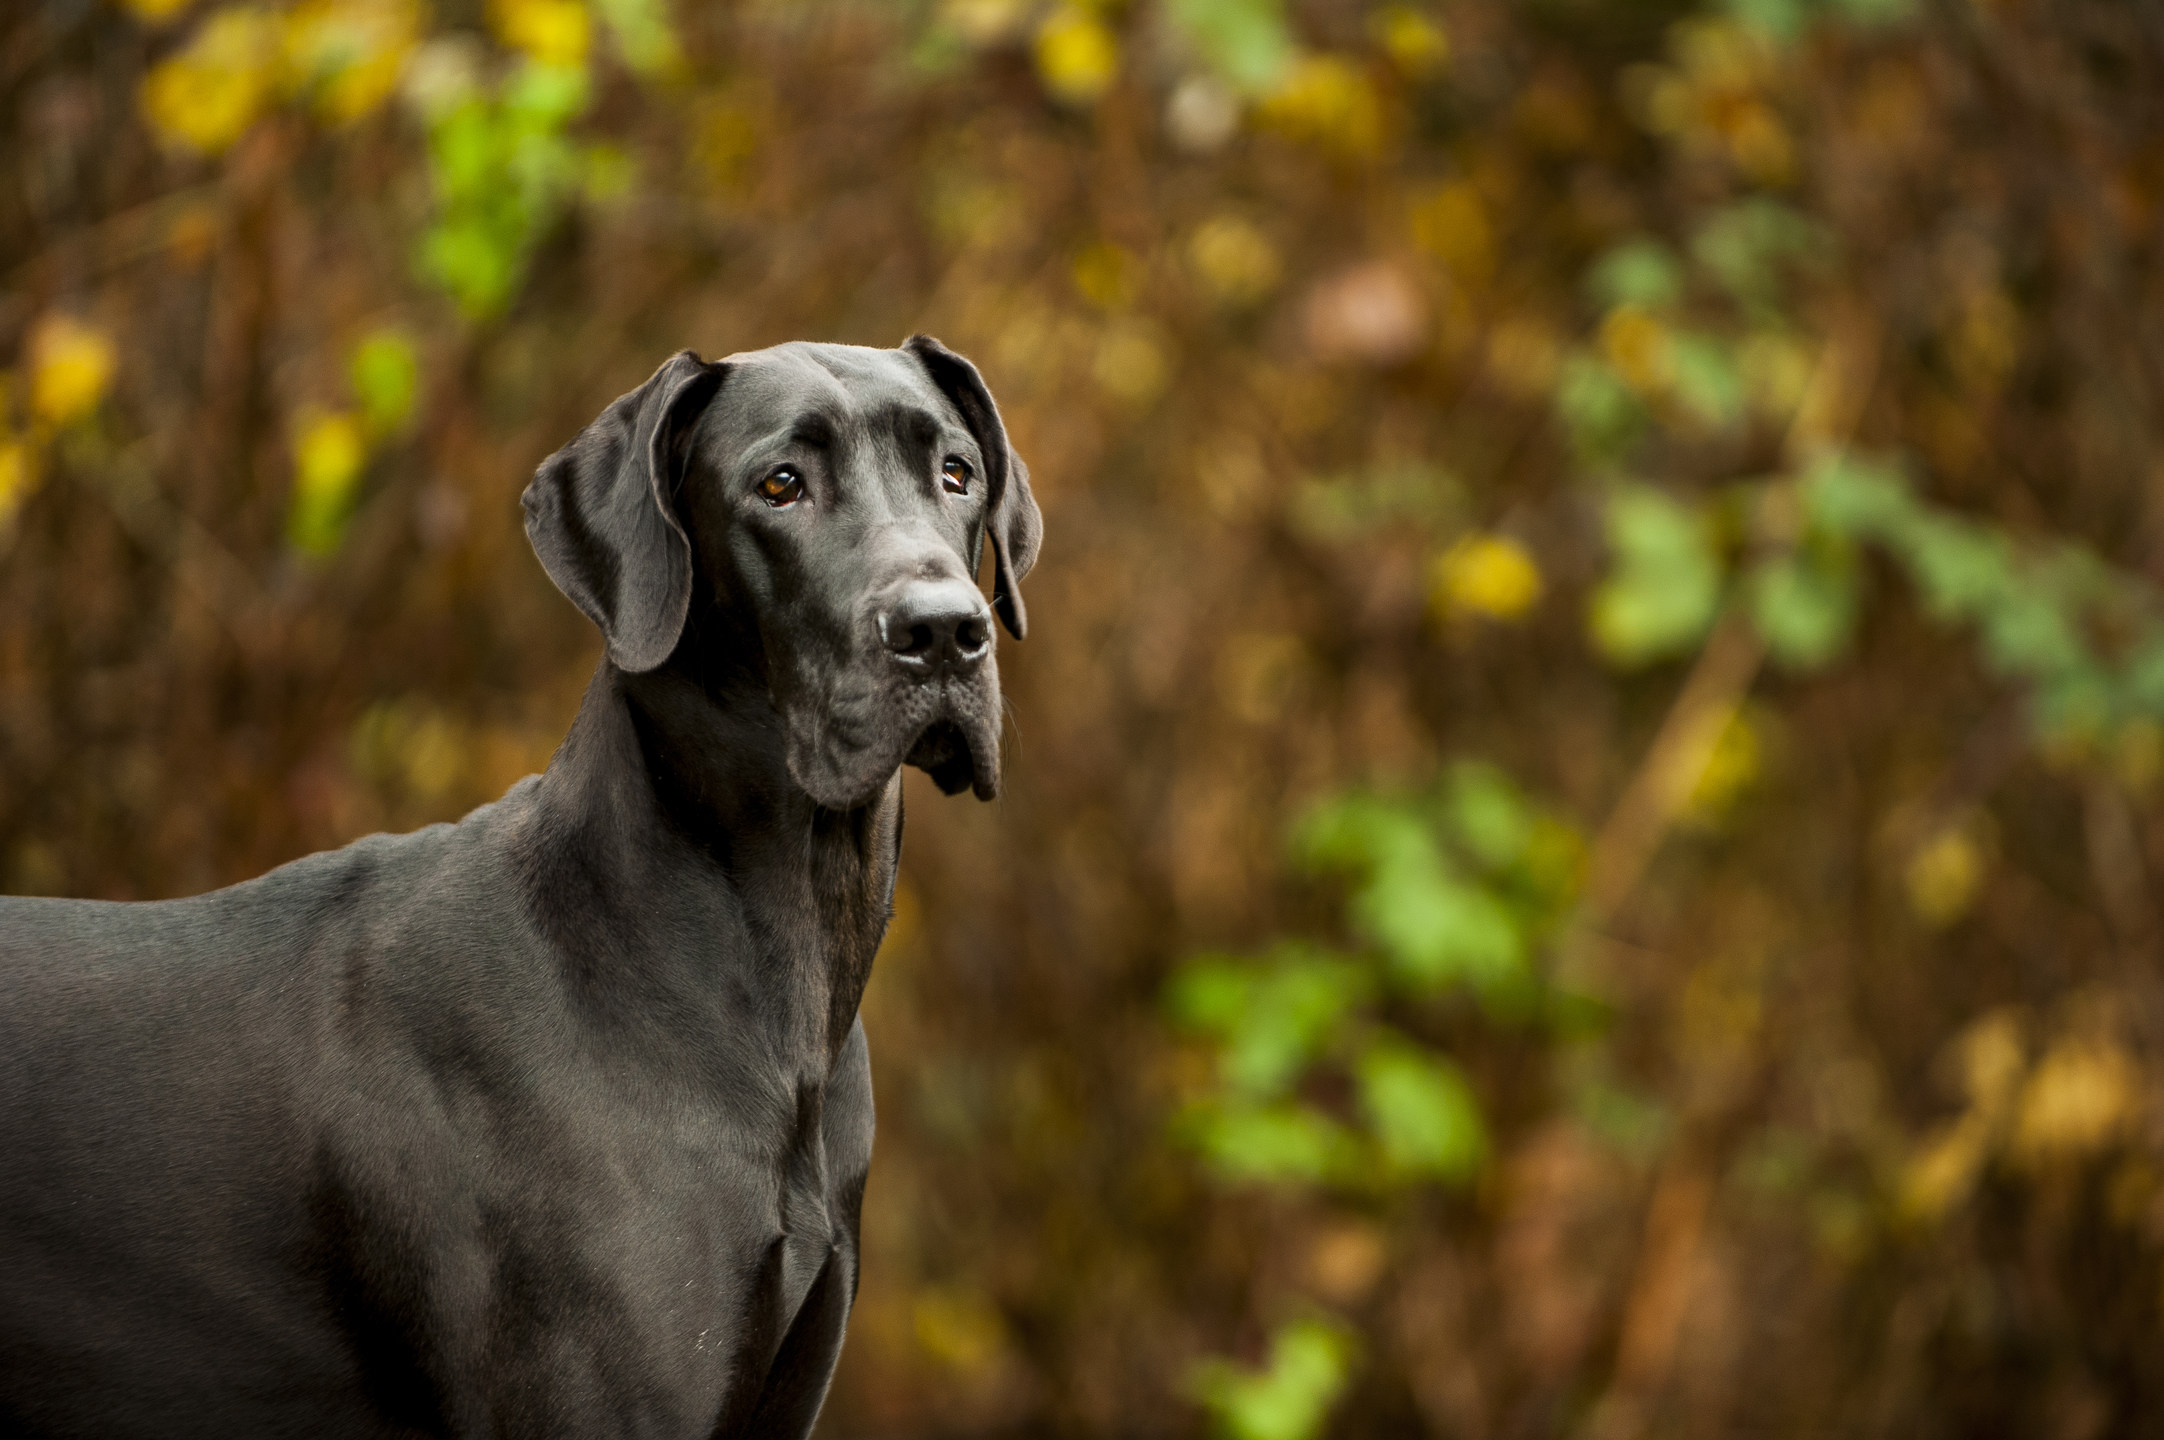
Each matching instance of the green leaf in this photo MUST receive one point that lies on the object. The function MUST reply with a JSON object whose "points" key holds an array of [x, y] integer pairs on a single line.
{"points": [[1856, 498], [1434, 927], [1436, 930], [1276, 1143], [1553, 864], [1360, 832], [1599, 410], [1874, 12], [1666, 586], [1637, 272], [2026, 633], [1210, 993], [2144, 675], [1245, 41], [1290, 1397], [502, 169], [1281, 1018], [1744, 245], [1422, 1112], [384, 375], [1805, 607], [1963, 569], [1706, 377], [1487, 815], [643, 34], [1778, 20], [2077, 704]]}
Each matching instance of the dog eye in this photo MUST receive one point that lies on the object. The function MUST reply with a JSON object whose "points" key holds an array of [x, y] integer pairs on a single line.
{"points": [[956, 474], [782, 487]]}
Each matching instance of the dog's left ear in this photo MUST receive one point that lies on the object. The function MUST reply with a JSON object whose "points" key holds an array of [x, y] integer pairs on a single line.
{"points": [[601, 514], [1012, 520]]}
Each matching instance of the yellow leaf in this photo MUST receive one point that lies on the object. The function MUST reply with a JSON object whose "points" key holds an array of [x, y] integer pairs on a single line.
{"points": [[2137, 755], [1943, 875], [1078, 56], [207, 95], [1991, 1057], [1131, 363], [1490, 575], [350, 53], [1452, 225], [155, 10], [1637, 345], [1235, 261], [328, 453], [1736, 759], [1760, 144], [1777, 372], [1106, 275], [1944, 1172], [18, 477], [436, 757], [723, 142], [328, 456], [71, 364], [2081, 1097], [1327, 101], [553, 32], [958, 1328], [1414, 42]]}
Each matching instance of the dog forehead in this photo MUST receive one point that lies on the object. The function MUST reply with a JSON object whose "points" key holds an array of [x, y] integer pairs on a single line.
{"points": [[843, 387]]}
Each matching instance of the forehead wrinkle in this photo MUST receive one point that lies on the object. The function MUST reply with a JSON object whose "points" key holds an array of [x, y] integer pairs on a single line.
{"points": [[838, 399], [813, 428], [910, 427]]}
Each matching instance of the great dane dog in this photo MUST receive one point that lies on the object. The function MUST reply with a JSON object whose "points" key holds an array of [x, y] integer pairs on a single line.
{"points": [[555, 1121]]}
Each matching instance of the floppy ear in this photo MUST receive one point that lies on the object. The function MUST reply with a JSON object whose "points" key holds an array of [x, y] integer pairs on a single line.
{"points": [[1012, 521], [601, 514]]}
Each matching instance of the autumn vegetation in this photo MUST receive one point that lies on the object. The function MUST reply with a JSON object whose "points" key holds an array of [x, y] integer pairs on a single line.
{"points": [[1582, 845]]}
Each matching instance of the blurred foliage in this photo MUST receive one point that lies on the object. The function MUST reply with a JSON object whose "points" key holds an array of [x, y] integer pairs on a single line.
{"points": [[1659, 503]]}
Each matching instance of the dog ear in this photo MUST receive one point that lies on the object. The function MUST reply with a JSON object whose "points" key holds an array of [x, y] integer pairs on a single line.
{"points": [[601, 514], [1012, 521]]}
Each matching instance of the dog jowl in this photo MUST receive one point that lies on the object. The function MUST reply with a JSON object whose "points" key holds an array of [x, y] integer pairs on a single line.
{"points": [[555, 1121]]}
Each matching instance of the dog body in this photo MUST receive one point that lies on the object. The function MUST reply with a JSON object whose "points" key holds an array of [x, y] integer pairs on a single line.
{"points": [[554, 1121]]}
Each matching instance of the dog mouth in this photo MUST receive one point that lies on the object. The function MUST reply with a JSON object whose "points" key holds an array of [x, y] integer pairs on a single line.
{"points": [[943, 752], [843, 750]]}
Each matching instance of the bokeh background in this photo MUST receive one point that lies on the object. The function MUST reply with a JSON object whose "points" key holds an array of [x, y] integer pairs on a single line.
{"points": [[1582, 837]]}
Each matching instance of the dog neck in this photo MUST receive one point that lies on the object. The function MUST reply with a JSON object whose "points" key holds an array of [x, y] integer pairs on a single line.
{"points": [[672, 822]]}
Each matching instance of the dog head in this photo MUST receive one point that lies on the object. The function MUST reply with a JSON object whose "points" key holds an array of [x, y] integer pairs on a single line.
{"points": [[831, 504]]}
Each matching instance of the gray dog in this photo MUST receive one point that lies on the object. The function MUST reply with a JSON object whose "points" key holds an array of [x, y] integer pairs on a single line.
{"points": [[553, 1122]]}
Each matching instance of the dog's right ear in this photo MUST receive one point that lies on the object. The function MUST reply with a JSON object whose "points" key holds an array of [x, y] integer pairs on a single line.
{"points": [[601, 514]]}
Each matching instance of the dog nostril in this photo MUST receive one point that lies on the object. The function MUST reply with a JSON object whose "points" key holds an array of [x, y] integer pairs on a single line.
{"points": [[920, 640], [970, 636]]}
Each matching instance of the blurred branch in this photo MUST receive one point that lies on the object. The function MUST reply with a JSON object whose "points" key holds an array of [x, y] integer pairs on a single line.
{"points": [[2110, 830], [198, 560], [117, 240], [1730, 661], [1672, 766], [1660, 1293]]}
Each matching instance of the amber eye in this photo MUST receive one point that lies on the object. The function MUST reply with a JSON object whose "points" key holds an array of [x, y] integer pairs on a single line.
{"points": [[956, 474], [783, 487]]}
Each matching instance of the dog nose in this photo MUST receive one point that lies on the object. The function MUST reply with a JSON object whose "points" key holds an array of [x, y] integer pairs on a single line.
{"points": [[938, 627]]}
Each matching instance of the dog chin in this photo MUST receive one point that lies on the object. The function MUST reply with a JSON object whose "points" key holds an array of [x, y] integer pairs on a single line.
{"points": [[957, 745]]}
